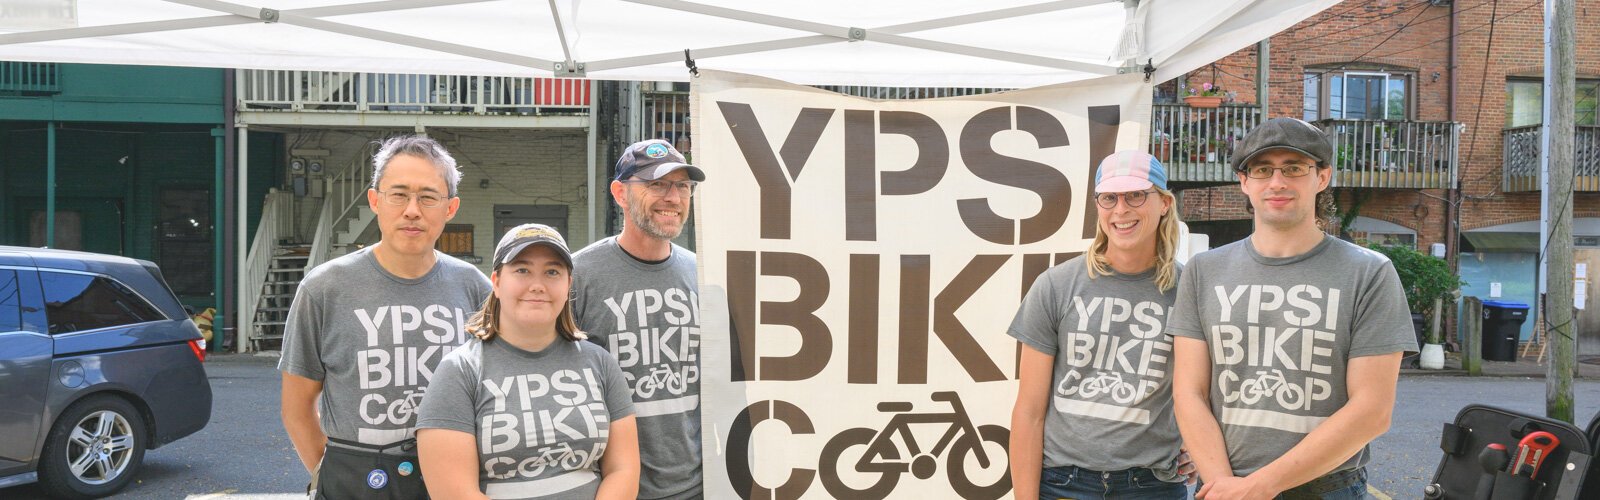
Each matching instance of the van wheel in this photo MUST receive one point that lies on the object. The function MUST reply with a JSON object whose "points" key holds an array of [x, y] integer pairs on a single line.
{"points": [[93, 450]]}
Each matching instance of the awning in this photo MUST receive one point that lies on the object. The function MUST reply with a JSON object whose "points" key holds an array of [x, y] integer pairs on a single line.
{"points": [[923, 43]]}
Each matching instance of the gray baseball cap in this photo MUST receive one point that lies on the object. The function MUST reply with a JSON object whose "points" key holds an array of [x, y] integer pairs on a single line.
{"points": [[1284, 133]]}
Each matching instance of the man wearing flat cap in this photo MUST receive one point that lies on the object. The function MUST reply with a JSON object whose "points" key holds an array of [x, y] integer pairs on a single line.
{"points": [[636, 294], [1287, 344]]}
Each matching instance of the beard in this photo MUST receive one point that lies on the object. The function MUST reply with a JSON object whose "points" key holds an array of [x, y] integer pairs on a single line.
{"points": [[640, 215]]}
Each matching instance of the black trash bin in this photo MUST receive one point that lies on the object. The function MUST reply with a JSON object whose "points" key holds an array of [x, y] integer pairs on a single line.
{"points": [[1502, 327]]}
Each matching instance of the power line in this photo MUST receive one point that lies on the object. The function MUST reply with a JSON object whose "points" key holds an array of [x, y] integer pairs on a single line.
{"points": [[1352, 8], [1428, 20], [1483, 85], [1357, 59], [1381, 17], [1490, 24]]}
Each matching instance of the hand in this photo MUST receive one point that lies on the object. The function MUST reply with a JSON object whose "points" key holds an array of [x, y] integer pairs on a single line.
{"points": [[1186, 467], [1235, 488]]}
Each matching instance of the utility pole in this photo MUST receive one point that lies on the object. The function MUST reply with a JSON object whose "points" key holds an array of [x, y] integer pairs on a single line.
{"points": [[1556, 207]]}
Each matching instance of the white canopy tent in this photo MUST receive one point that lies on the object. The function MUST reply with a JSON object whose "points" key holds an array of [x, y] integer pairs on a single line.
{"points": [[925, 43], [901, 43]]}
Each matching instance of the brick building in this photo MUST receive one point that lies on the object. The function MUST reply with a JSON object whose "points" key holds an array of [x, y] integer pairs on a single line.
{"points": [[1385, 66]]}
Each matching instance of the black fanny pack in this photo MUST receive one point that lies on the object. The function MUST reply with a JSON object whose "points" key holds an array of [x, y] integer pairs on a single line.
{"points": [[355, 470]]}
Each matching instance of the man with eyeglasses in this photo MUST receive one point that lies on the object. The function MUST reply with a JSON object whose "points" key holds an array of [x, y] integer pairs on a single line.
{"points": [[637, 295], [1287, 343], [366, 330]]}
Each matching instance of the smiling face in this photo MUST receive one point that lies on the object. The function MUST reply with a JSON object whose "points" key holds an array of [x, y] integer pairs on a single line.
{"points": [[411, 229], [532, 289], [1133, 229], [658, 216], [1284, 202]]}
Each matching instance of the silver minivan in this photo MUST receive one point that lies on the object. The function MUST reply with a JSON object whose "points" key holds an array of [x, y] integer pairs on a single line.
{"points": [[99, 362]]}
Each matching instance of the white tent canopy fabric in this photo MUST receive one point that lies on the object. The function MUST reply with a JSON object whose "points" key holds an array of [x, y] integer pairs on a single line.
{"points": [[922, 43]]}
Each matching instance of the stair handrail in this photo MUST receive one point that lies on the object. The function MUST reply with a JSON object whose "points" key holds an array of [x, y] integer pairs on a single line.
{"points": [[345, 192], [257, 262], [322, 239]]}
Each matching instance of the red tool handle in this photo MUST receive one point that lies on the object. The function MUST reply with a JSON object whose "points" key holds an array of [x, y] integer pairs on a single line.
{"points": [[1538, 446]]}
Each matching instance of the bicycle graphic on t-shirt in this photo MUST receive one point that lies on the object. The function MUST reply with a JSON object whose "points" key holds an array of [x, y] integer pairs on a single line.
{"points": [[1110, 384], [1271, 384], [401, 409], [562, 455], [987, 445], [661, 377]]}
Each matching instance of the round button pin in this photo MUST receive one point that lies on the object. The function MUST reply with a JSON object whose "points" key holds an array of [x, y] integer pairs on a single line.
{"points": [[377, 479], [405, 468]]}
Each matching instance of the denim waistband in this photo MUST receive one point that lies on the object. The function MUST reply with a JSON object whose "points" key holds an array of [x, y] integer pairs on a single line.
{"points": [[1333, 481], [1136, 475]]}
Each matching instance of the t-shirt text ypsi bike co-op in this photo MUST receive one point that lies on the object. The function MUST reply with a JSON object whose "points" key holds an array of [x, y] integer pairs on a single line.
{"points": [[1111, 391], [1281, 332], [648, 316], [373, 339], [542, 419]]}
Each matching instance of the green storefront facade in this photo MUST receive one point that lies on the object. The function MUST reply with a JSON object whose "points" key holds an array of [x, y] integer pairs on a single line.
{"points": [[137, 156]]}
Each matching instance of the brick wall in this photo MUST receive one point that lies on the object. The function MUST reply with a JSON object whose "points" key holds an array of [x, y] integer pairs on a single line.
{"points": [[1367, 30]]}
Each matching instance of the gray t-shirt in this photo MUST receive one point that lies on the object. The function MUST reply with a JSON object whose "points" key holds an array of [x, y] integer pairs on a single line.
{"points": [[648, 316], [541, 418], [1281, 332], [373, 339], [1111, 389]]}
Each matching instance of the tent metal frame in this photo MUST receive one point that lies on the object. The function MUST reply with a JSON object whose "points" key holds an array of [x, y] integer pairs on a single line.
{"points": [[313, 18]]}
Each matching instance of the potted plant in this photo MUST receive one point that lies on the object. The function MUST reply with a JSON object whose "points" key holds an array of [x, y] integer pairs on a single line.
{"points": [[1427, 281], [1207, 95]]}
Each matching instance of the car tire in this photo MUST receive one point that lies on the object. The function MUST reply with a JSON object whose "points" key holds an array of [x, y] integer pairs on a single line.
{"points": [[105, 436]]}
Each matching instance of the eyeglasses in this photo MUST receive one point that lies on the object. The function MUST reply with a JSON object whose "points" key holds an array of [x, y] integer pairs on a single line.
{"points": [[1290, 170], [659, 187], [1134, 199], [400, 199]]}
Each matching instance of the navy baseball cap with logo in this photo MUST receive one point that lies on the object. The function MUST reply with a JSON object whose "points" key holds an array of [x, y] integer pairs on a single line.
{"points": [[654, 159]]}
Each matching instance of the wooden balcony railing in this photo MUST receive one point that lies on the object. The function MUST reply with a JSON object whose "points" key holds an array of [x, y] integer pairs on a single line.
{"points": [[1195, 144], [1394, 154], [277, 90], [1521, 165]]}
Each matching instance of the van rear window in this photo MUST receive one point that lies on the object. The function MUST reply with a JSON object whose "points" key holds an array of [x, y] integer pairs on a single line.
{"points": [[77, 302]]}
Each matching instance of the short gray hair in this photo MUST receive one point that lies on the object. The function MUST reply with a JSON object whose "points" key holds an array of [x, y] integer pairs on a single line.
{"points": [[420, 146]]}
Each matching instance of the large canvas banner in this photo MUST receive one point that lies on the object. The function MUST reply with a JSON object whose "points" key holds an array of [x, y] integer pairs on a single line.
{"points": [[860, 261]]}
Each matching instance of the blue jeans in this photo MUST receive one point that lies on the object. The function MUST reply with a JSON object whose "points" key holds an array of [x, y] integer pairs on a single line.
{"points": [[1343, 485], [1084, 484]]}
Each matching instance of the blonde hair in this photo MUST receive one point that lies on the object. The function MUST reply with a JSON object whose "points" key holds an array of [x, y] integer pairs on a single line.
{"points": [[1166, 248], [485, 324]]}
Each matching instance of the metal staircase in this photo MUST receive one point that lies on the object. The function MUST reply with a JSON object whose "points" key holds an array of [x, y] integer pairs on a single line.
{"points": [[284, 273], [343, 223]]}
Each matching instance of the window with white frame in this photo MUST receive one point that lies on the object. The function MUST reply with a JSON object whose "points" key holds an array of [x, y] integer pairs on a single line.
{"points": [[1357, 95], [1525, 102]]}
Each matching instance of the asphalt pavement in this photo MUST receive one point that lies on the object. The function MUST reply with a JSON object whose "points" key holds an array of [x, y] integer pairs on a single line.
{"points": [[244, 454]]}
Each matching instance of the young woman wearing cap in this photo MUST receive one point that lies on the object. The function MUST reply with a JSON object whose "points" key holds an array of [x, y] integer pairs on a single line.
{"points": [[1093, 417], [528, 409]]}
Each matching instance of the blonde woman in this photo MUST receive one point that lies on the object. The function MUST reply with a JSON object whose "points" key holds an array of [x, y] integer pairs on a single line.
{"points": [[1093, 417], [528, 409]]}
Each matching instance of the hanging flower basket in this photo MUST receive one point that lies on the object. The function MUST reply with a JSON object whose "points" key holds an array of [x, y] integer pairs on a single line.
{"points": [[1203, 101]]}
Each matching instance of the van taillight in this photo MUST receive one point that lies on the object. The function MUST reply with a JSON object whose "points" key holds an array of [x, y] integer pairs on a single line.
{"points": [[199, 348]]}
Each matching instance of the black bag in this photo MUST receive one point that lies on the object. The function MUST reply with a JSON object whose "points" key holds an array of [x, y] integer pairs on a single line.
{"points": [[353, 470], [1462, 474]]}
